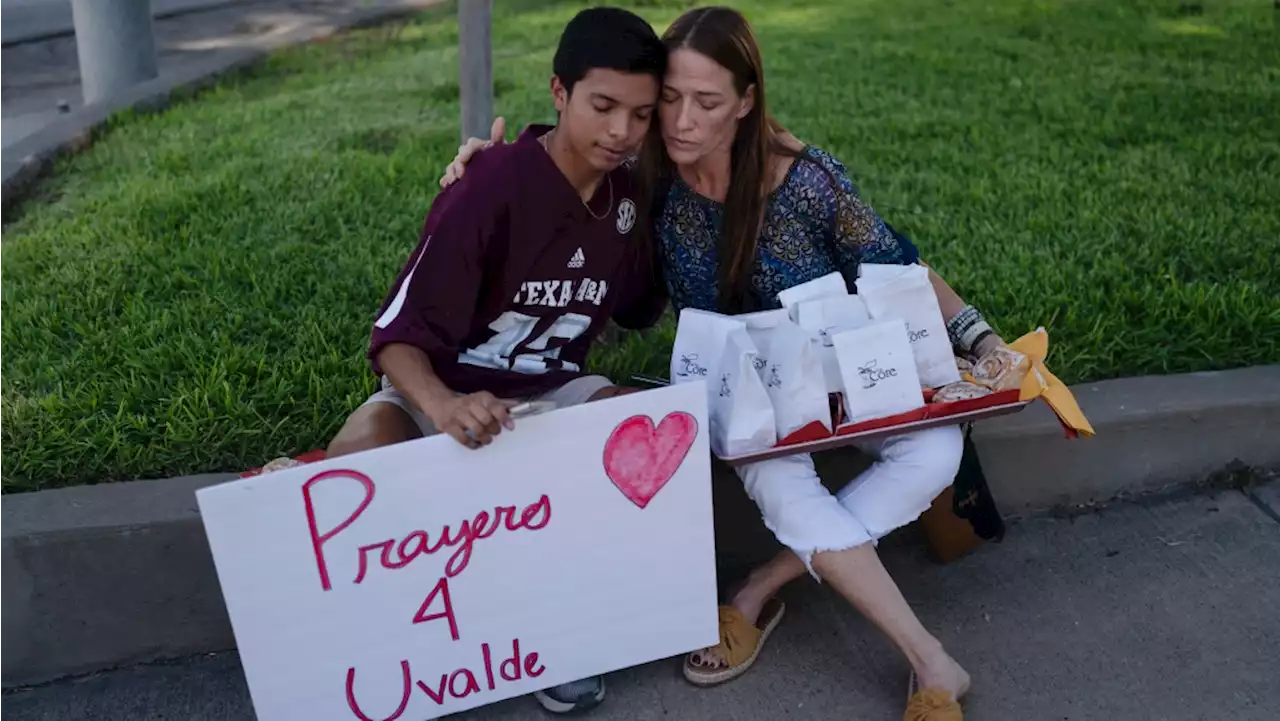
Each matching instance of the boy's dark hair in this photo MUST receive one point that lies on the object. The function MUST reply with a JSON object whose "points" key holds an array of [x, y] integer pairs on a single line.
{"points": [[609, 38]]}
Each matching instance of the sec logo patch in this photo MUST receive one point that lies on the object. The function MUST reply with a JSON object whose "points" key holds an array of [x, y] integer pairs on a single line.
{"points": [[626, 216]]}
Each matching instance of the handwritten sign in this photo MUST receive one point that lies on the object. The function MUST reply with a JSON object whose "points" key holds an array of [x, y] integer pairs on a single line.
{"points": [[424, 578]]}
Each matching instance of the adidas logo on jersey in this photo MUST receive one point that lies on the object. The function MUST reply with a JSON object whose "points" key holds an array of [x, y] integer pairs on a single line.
{"points": [[578, 260]]}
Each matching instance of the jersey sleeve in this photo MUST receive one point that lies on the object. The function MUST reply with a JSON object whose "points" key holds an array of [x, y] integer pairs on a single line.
{"points": [[857, 233], [431, 304]]}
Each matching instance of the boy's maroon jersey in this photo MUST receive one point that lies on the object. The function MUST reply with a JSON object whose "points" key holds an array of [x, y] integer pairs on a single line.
{"points": [[514, 277]]}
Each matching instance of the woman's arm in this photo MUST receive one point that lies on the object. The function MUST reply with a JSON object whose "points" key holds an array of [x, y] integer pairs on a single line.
{"points": [[968, 330]]}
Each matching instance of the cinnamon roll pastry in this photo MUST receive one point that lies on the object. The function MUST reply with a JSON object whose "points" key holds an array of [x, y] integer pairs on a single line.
{"points": [[1001, 369], [961, 391]]}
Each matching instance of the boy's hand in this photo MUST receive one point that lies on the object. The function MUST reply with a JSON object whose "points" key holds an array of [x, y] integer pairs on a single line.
{"points": [[473, 420], [468, 150]]}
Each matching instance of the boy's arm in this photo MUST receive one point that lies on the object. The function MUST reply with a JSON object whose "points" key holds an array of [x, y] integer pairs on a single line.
{"points": [[429, 313], [472, 420]]}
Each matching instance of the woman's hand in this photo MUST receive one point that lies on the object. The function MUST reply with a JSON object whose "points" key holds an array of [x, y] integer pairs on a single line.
{"points": [[986, 345], [466, 151]]}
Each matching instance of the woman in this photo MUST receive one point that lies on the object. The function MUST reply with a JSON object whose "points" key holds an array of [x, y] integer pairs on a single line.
{"points": [[743, 210]]}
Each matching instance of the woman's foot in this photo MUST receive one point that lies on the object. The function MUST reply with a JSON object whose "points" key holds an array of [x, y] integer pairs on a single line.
{"points": [[936, 696], [740, 644], [753, 611], [938, 670], [749, 600]]}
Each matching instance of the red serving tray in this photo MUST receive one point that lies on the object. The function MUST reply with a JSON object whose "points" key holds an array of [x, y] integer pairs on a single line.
{"points": [[815, 437]]}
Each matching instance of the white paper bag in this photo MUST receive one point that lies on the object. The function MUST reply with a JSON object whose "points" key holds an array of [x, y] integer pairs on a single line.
{"points": [[760, 324], [740, 411], [793, 377], [824, 317], [878, 370], [759, 327], [873, 274], [828, 285], [716, 348], [762, 320], [845, 312], [699, 346], [909, 296]]}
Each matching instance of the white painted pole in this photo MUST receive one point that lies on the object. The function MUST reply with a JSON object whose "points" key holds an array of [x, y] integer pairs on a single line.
{"points": [[116, 45], [475, 61]]}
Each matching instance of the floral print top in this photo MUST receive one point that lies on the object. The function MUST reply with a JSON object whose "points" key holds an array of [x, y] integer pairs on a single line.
{"points": [[814, 224]]}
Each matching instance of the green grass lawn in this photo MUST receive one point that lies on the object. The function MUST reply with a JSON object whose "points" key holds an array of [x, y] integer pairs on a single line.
{"points": [[195, 292]]}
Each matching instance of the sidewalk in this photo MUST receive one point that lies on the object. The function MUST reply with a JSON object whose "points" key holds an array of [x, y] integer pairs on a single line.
{"points": [[39, 75], [1165, 610], [25, 20]]}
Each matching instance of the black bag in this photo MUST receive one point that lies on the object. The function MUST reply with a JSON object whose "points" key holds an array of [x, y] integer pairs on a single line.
{"points": [[973, 500]]}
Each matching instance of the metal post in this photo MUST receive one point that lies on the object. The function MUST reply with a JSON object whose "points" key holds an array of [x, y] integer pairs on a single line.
{"points": [[476, 67], [116, 45]]}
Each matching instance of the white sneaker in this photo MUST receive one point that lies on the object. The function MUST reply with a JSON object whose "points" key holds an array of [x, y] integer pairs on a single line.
{"points": [[574, 696]]}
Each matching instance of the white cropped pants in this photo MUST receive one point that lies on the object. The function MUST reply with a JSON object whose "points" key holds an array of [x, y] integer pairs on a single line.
{"points": [[909, 472]]}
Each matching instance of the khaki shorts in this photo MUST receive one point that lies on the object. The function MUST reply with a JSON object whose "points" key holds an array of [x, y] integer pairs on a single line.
{"points": [[574, 393]]}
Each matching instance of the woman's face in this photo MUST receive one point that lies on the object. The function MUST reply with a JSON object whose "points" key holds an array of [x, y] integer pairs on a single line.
{"points": [[700, 107]]}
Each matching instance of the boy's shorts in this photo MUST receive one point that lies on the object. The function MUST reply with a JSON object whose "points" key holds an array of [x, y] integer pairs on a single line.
{"points": [[574, 393]]}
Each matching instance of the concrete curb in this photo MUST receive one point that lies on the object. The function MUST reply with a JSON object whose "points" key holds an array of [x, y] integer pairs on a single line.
{"points": [[102, 576], [1153, 432], [26, 160]]}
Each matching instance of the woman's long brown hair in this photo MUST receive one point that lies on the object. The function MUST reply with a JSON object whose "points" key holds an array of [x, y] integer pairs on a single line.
{"points": [[723, 35]]}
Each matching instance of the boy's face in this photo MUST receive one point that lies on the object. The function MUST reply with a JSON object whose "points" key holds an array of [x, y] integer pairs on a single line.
{"points": [[607, 114]]}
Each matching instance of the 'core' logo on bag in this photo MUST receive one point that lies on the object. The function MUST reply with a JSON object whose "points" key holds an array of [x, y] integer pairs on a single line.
{"points": [[872, 375], [688, 366]]}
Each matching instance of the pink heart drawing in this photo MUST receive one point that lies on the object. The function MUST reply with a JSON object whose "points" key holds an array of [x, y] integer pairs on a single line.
{"points": [[640, 459]]}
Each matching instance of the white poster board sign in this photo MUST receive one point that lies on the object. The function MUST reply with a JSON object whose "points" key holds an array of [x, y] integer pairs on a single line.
{"points": [[424, 578]]}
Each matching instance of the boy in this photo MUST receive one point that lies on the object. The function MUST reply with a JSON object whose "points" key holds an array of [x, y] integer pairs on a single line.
{"points": [[521, 265]]}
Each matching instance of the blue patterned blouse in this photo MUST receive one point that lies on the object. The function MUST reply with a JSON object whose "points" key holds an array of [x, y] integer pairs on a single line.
{"points": [[814, 224]]}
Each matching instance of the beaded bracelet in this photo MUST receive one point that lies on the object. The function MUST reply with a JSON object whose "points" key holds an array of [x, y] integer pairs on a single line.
{"points": [[967, 328]]}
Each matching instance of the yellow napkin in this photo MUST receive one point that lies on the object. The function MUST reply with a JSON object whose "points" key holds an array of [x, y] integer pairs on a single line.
{"points": [[1040, 383]]}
